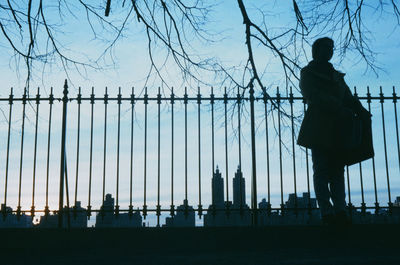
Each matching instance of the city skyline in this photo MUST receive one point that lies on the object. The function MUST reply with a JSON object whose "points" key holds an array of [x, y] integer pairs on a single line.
{"points": [[223, 213]]}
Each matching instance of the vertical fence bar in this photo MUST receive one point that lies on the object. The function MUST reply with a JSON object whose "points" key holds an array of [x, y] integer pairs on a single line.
{"points": [[385, 148], [212, 140], [119, 98], [373, 158], [131, 160], [92, 98], [104, 148], [212, 130], [278, 102], [363, 206], [265, 99], [172, 210], [22, 153], [35, 153], [158, 157], [350, 205], [396, 123], [226, 148], [78, 137], [200, 207], [67, 192], [307, 169], [239, 102], [63, 158], [253, 159], [145, 102], [51, 101], [185, 102], [293, 149], [10, 102]]}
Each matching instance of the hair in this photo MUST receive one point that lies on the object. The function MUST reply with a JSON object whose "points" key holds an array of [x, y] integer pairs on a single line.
{"points": [[317, 45]]}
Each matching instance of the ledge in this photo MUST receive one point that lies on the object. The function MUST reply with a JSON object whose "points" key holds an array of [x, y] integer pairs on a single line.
{"points": [[357, 244]]}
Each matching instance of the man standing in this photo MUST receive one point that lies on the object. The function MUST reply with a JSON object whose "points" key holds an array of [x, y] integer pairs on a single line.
{"points": [[329, 129]]}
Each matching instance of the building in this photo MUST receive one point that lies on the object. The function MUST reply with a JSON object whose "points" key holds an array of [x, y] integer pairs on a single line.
{"points": [[241, 211], [384, 215], [215, 215], [73, 217], [396, 209], [226, 213], [297, 210], [300, 205], [217, 189], [301, 210], [184, 217], [239, 189], [266, 216], [106, 217], [8, 219], [397, 202]]}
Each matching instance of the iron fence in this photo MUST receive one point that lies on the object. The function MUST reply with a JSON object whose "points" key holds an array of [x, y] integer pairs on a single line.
{"points": [[232, 118]]}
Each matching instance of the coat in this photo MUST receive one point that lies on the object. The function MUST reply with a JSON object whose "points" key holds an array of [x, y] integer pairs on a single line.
{"points": [[335, 120]]}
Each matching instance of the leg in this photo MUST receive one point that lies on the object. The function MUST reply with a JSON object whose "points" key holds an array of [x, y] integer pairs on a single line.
{"points": [[321, 173], [338, 195], [337, 188]]}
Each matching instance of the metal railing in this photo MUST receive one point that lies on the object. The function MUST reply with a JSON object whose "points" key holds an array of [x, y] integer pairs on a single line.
{"points": [[226, 113]]}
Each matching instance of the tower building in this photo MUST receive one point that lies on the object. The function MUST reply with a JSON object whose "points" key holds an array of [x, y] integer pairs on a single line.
{"points": [[217, 189], [239, 189]]}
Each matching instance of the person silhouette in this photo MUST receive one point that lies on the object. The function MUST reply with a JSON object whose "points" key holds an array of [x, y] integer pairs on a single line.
{"points": [[332, 110]]}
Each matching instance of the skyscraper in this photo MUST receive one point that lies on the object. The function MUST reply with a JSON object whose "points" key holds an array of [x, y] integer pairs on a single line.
{"points": [[225, 213], [217, 189], [215, 216], [239, 189]]}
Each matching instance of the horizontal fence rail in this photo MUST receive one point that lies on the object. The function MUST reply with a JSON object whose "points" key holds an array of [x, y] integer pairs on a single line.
{"points": [[215, 153]]}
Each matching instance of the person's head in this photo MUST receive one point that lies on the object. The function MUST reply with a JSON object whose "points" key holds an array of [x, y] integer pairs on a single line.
{"points": [[322, 49]]}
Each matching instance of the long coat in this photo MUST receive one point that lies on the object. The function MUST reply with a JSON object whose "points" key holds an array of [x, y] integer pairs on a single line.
{"points": [[332, 115]]}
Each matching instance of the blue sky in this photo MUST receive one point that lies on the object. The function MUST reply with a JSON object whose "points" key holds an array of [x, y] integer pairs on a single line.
{"points": [[130, 69], [131, 56]]}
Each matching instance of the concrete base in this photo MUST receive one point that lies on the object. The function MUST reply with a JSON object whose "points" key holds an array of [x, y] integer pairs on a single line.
{"points": [[358, 244]]}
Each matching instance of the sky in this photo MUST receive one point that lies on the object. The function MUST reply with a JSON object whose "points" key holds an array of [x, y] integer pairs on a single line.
{"points": [[130, 69]]}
